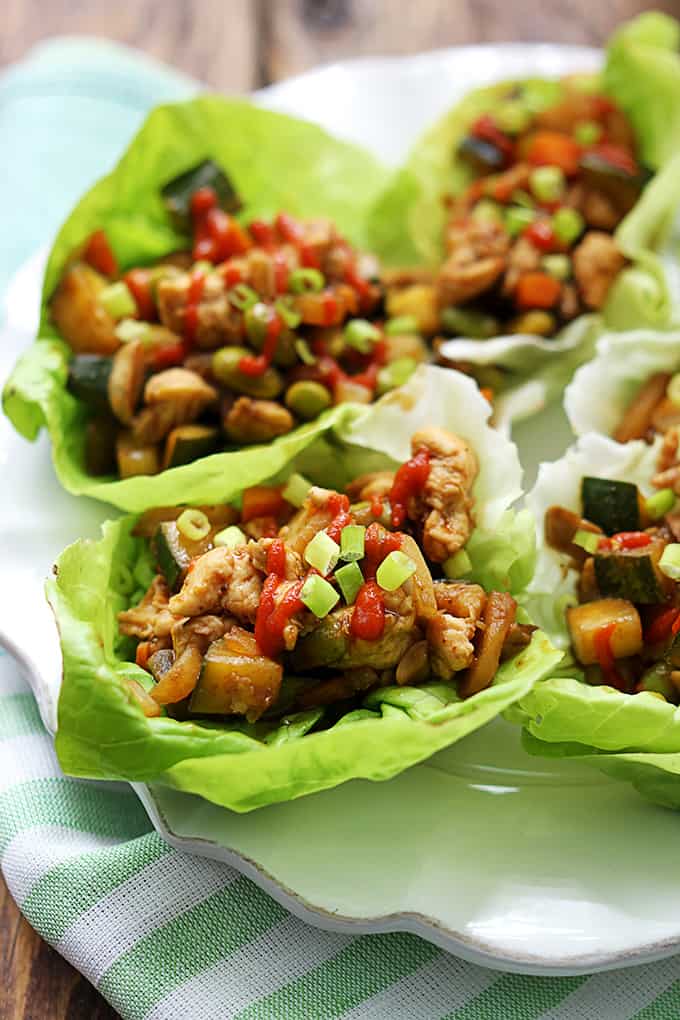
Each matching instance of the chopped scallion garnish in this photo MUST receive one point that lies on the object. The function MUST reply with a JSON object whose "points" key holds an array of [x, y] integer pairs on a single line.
{"points": [[193, 524], [352, 539], [567, 224], [517, 217], [296, 489], [304, 352], [319, 596], [322, 553], [117, 300], [587, 132], [457, 565], [588, 540], [230, 538], [660, 504], [401, 324], [558, 266], [242, 296], [350, 580], [395, 374], [547, 183], [396, 568], [361, 334], [290, 316], [669, 564], [301, 280]]}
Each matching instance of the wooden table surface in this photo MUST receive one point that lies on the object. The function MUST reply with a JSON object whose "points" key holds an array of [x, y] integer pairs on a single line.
{"points": [[238, 45]]}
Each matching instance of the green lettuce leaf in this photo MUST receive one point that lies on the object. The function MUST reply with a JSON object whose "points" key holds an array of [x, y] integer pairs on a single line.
{"points": [[102, 732], [275, 162]]}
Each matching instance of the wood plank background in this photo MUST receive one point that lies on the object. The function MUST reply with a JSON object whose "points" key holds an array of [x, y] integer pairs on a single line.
{"points": [[235, 46]]}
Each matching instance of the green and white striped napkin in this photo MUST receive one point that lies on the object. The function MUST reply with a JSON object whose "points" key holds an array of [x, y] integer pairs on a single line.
{"points": [[163, 935]]}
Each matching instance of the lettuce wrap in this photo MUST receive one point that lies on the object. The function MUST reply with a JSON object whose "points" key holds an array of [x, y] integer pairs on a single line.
{"points": [[635, 737], [102, 732], [274, 162], [408, 221]]}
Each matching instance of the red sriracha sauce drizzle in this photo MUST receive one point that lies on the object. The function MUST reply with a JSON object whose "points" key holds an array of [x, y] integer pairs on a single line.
{"points": [[626, 540], [194, 295], [257, 364], [368, 617], [271, 618], [408, 481], [339, 507], [605, 657]]}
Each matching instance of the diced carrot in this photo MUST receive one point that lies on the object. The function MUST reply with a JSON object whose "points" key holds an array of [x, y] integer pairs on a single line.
{"points": [[551, 148], [261, 501], [537, 290]]}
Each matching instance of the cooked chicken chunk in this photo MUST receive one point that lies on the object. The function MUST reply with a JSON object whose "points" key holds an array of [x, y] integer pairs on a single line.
{"points": [[222, 580], [445, 504], [151, 617], [257, 421], [219, 322], [314, 515], [597, 262], [478, 256], [450, 634], [668, 462]]}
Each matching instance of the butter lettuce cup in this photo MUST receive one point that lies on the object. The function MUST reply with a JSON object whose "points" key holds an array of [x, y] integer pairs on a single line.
{"points": [[607, 590], [212, 294], [540, 215], [347, 619]]}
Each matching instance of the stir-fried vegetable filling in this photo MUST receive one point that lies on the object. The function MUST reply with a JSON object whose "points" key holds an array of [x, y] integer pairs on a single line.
{"points": [[529, 243], [625, 631], [255, 329], [303, 598]]}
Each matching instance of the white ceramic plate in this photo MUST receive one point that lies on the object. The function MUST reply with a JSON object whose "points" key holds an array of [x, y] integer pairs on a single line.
{"points": [[508, 861]]}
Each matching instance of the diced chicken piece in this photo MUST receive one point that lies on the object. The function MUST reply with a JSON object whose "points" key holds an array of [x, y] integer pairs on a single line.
{"points": [[219, 322], [151, 617], [445, 503], [597, 262], [523, 258], [373, 484], [569, 305], [316, 309], [190, 639], [450, 634], [257, 421], [294, 568], [126, 380], [478, 255], [599, 211], [222, 580], [314, 515], [406, 276], [76, 311], [174, 397], [668, 462]]}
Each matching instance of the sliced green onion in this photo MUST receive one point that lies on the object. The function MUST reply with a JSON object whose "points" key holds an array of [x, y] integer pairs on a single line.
{"points": [[517, 217], [352, 539], [523, 198], [395, 374], [230, 538], [587, 132], [401, 324], [660, 504], [350, 580], [256, 320], [558, 266], [588, 540], [319, 596], [487, 211], [296, 489], [547, 183], [673, 389], [361, 335], [512, 116], [128, 330], [193, 524], [567, 224], [301, 280], [304, 352], [669, 564], [117, 300], [457, 565], [396, 568], [290, 316], [322, 553], [242, 296]]}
